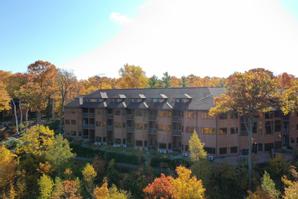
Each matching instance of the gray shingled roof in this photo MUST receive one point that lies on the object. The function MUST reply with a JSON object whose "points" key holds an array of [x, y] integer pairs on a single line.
{"points": [[177, 98]]}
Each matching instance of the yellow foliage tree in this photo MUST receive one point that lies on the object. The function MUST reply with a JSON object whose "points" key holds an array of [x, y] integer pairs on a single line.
{"points": [[196, 148], [187, 186], [101, 192], [132, 77], [4, 98], [7, 167], [36, 140], [89, 175]]}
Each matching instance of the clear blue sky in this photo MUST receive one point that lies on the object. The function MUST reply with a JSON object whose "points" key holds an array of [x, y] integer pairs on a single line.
{"points": [[56, 30], [62, 30]]}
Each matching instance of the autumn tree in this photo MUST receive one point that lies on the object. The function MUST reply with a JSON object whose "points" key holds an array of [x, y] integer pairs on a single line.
{"points": [[289, 98], [71, 189], [132, 77], [8, 166], [196, 148], [36, 140], [67, 87], [184, 82], [249, 94], [42, 81], [45, 187], [161, 187], [187, 186], [103, 192], [4, 98], [175, 82], [268, 186], [89, 175]]}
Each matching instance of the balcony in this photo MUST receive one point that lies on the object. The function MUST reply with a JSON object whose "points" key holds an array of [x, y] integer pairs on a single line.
{"points": [[88, 115], [176, 132], [152, 130], [152, 117], [88, 126], [130, 129], [177, 118], [129, 116], [110, 128]]}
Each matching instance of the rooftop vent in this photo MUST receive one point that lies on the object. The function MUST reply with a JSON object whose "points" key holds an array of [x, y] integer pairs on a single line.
{"points": [[81, 100], [103, 95]]}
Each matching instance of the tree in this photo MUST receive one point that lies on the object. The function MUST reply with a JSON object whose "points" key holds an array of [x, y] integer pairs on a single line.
{"points": [[115, 193], [89, 175], [36, 140], [161, 187], [187, 186], [291, 192], [196, 148], [71, 189], [42, 79], [57, 189], [166, 80], [67, 86], [175, 82], [4, 98], [268, 186], [154, 82], [8, 166], [289, 98], [132, 77], [184, 82], [45, 187], [59, 153], [249, 94], [101, 192]]}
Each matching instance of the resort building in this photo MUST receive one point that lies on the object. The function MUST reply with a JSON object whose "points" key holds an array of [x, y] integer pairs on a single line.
{"points": [[164, 119]]}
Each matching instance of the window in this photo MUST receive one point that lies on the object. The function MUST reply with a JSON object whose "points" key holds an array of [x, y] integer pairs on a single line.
{"points": [[190, 115], [260, 147], [234, 149], [205, 115], [124, 141], [208, 131], [255, 127], [73, 133], [189, 129], [223, 131], [66, 121], [277, 125], [139, 126], [234, 115], [104, 139], [269, 115], [139, 113], [269, 127], [85, 134], [118, 125], [210, 150], [117, 141], [234, 130], [223, 116], [244, 152], [73, 122], [223, 150], [268, 146], [297, 127], [162, 145], [139, 143], [296, 140], [117, 112], [80, 133], [98, 139], [98, 123]]}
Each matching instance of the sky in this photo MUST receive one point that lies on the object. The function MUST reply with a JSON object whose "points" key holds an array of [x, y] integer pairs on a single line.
{"points": [[182, 37]]}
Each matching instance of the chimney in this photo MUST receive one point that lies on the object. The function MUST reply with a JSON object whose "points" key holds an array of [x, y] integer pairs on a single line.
{"points": [[81, 100]]}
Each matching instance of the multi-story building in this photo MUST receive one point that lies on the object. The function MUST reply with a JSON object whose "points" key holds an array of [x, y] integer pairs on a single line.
{"points": [[165, 118]]}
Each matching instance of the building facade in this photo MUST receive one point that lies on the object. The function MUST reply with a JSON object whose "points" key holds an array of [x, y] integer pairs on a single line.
{"points": [[164, 119]]}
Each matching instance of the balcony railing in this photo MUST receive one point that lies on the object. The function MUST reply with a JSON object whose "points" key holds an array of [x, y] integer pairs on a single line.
{"points": [[152, 130], [88, 126], [130, 129], [88, 115], [109, 127], [176, 132], [177, 118]]}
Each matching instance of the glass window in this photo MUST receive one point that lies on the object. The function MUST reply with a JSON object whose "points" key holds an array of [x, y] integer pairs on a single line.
{"points": [[208, 131], [269, 127], [73, 122], [223, 131], [234, 130], [223, 116], [210, 150], [260, 147], [66, 121], [223, 150], [234, 115], [277, 125], [234, 149]]}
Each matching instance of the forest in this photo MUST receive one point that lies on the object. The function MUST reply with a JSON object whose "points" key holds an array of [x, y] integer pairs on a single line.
{"points": [[36, 161]]}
